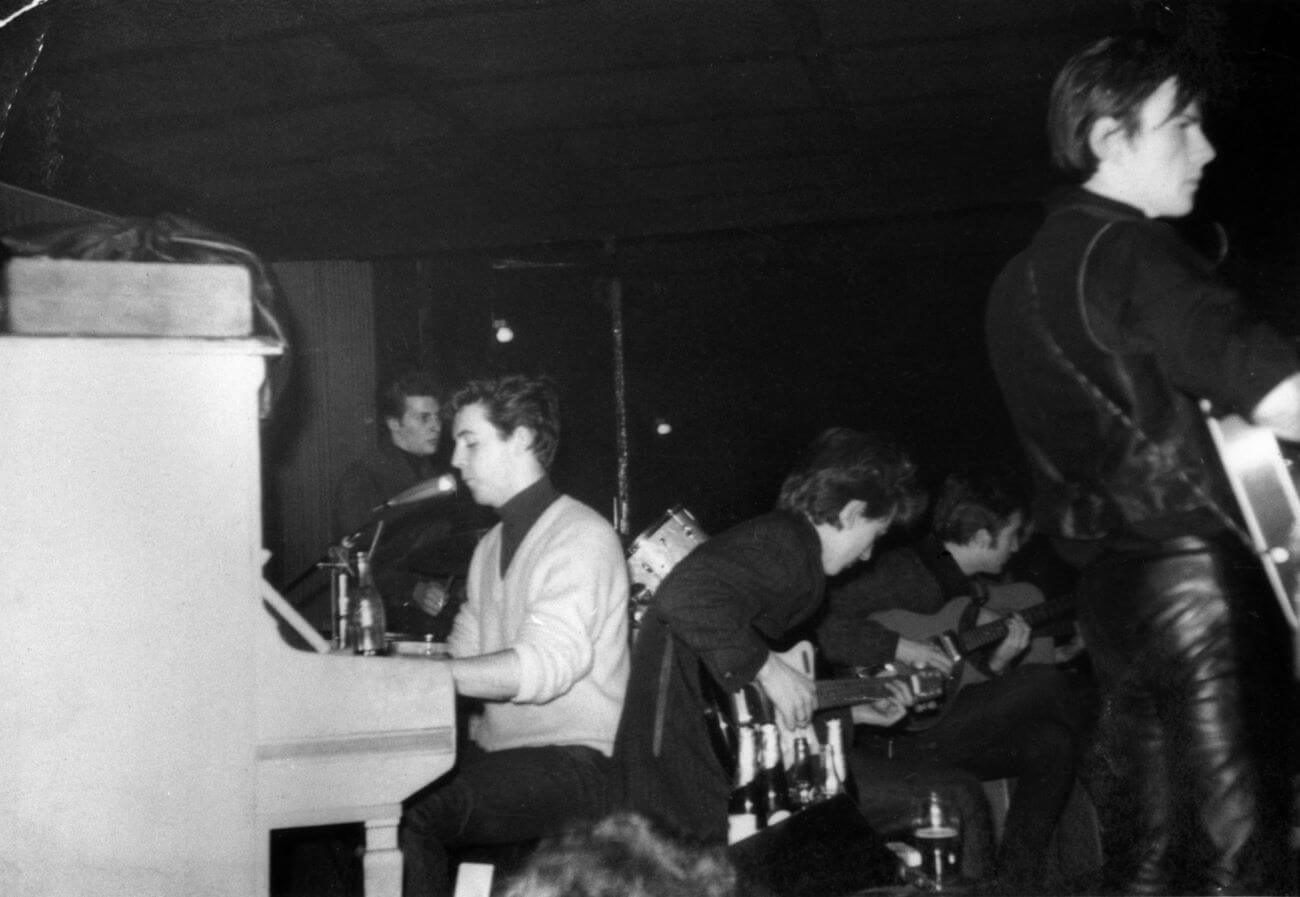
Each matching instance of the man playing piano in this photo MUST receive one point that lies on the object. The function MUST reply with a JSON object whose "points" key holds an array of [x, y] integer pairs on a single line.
{"points": [[723, 607], [541, 641]]}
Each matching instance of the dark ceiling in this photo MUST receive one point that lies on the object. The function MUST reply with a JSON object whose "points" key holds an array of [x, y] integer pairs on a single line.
{"points": [[336, 128]]}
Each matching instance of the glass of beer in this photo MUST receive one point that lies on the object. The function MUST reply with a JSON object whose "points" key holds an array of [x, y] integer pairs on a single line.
{"points": [[936, 834]]}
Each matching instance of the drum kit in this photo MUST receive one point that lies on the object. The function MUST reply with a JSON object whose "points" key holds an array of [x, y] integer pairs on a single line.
{"points": [[654, 553]]}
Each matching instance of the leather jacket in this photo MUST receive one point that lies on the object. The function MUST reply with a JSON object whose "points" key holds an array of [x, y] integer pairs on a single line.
{"points": [[1103, 333]]}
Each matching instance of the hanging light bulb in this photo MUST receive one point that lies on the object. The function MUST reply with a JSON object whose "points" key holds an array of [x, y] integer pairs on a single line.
{"points": [[662, 427], [501, 327]]}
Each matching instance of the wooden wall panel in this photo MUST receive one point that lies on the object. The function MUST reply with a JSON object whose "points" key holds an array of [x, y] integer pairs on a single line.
{"points": [[327, 415]]}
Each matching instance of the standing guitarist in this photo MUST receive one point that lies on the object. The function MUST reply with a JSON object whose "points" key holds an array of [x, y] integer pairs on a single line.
{"points": [[722, 607], [1018, 724], [1104, 334]]}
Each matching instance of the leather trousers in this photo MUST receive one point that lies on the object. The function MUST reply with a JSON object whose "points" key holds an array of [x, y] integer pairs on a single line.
{"points": [[1157, 620]]}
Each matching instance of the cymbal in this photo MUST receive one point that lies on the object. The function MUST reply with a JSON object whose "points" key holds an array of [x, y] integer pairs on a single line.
{"points": [[445, 556]]}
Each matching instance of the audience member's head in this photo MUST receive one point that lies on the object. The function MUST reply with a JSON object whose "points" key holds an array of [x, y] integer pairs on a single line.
{"points": [[623, 855]]}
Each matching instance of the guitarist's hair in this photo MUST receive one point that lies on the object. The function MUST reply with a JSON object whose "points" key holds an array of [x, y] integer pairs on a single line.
{"points": [[972, 501], [842, 465]]}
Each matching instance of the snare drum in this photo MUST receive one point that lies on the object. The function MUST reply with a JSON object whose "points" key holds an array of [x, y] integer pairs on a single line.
{"points": [[658, 549]]}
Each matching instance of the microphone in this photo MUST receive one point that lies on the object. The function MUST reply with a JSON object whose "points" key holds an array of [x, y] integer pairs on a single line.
{"points": [[437, 487]]}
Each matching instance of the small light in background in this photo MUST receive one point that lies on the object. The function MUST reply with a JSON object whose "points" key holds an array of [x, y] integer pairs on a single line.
{"points": [[501, 327], [662, 427]]}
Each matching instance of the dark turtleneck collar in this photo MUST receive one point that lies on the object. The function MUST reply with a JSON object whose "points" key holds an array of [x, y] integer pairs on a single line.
{"points": [[421, 465], [520, 513]]}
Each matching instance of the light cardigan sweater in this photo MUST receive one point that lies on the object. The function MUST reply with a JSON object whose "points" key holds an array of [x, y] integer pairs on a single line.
{"points": [[563, 607]]}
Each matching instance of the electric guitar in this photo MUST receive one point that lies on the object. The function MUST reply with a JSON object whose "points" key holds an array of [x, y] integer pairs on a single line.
{"points": [[723, 712], [1266, 494], [948, 631]]}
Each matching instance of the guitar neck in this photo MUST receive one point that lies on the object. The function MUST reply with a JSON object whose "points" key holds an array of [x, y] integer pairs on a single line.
{"points": [[982, 636], [832, 693]]}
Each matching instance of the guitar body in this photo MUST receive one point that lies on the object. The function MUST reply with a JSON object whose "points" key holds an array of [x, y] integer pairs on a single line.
{"points": [[945, 629], [1266, 494]]}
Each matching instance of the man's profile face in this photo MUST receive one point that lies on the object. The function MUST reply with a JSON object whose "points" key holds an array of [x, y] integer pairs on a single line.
{"points": [[854, 540], [1159, 166], [419, 427], [997, 548], [489, 463]]}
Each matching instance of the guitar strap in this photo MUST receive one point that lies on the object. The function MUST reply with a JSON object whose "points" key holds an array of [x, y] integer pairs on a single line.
{"points": [[661, 697], [1095, 392]]}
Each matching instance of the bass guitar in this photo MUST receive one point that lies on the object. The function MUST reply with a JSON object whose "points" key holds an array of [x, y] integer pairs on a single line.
{"points": [[1266, 494], [724, 712], [950, 630]]}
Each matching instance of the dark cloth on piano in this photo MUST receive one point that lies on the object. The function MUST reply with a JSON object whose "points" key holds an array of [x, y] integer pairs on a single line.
{"points": [[714, 616], [1023, 724]]}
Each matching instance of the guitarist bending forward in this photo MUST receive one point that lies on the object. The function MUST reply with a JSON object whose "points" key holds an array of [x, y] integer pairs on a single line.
{"points": [[719, 609], [1019, 724]]}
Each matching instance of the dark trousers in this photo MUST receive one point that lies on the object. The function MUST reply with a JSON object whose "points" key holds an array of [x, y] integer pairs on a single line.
{"points": [[501, 797], [1020, 725], [1159, 625]]}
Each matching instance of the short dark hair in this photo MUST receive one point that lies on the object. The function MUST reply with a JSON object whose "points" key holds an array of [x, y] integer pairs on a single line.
{"points": [[515, 401], [971, 501], [841, 465], [391, 400], [1113, 77], [623, 854]]}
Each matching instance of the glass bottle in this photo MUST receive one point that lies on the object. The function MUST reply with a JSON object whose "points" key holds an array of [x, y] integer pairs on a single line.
{"points": [[776, 787], [804, 791], [936, 834], [368, 621], [744, 807], [833, 770]]}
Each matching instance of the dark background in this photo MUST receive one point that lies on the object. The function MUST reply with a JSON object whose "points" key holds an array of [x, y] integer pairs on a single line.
{"points": [[802, 203]]}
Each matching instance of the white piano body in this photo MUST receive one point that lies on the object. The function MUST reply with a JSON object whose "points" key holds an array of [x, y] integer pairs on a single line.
{"points": [[154, 725], [342, 738]]}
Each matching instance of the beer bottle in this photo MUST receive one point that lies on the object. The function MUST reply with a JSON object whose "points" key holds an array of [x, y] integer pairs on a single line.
{"points": [[369, 628], [745, 807], [833, 770], [804, 791], [776, 787]]}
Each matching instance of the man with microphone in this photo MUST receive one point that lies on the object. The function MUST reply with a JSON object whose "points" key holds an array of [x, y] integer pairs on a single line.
{"points": [[396, 482], [541, 644]]}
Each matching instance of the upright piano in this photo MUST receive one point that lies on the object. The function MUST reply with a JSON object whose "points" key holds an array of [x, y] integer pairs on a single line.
{"points": [[154, 724]]}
